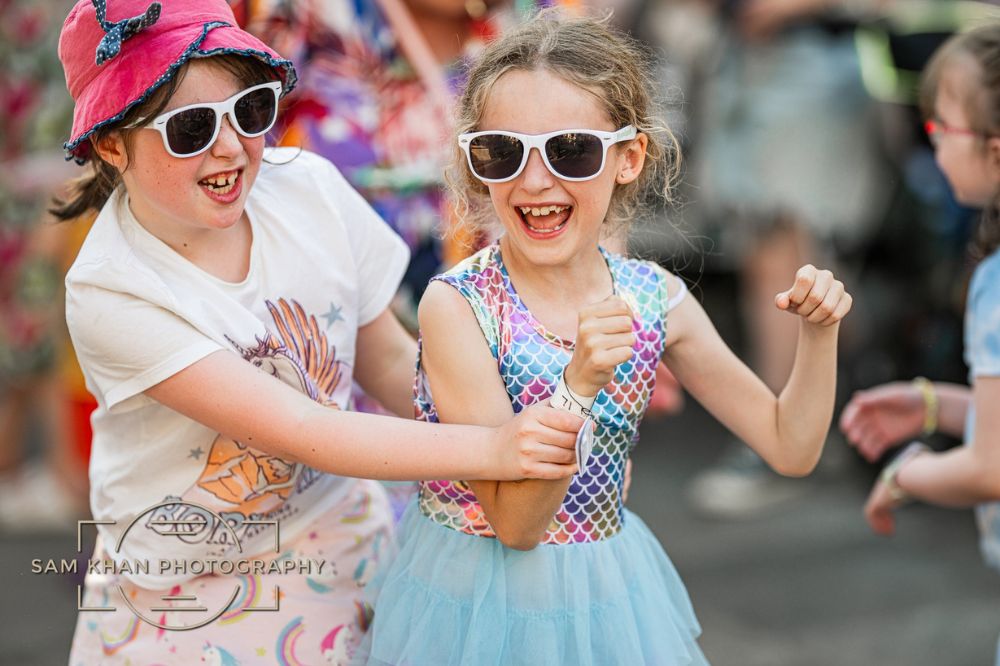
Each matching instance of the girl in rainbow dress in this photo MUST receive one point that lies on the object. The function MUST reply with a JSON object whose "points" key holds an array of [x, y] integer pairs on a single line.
{"points": [[558, 142]]}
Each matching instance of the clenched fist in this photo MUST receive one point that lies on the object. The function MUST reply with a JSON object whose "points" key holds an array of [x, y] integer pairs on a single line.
{"points": [[604, 339], [816, 296]]}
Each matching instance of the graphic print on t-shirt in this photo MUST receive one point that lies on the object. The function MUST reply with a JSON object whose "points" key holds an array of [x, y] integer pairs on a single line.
{"points": [[240, 482]]}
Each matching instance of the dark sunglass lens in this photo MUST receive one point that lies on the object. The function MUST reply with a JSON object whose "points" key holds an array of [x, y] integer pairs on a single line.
{"points": [[495, 156], [190, 131], [256, 111], [575, 155]]}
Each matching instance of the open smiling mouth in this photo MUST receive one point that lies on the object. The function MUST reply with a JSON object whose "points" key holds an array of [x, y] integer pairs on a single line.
{"points": [[544, 220], [221, 183]]}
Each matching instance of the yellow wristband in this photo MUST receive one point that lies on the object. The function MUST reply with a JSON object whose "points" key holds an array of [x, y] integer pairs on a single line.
{"points": [[931, 404]]}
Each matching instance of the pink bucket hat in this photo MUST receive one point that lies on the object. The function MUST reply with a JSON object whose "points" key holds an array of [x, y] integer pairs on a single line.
{"points": [[116, 52]]}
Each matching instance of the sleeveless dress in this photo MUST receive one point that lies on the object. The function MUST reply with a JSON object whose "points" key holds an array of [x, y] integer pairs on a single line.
{"points": [[599, 589]]}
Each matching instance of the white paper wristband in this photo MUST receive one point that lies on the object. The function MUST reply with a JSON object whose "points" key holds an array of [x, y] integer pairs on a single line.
{"points": [[574, 403]]}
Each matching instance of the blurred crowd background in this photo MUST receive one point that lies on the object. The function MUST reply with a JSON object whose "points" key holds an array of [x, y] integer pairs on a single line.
{"points": [[801, 143]]}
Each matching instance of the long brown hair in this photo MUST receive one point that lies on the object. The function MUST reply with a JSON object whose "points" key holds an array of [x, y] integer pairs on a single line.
{"points": [[982, 106], [91, 191]]}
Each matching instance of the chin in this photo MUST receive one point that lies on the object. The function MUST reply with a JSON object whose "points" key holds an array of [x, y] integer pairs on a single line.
{"points": [[548, 253], [225, 221]]}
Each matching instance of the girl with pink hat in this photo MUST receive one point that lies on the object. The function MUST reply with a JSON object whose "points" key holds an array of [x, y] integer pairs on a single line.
{"points": [[221, 306]]}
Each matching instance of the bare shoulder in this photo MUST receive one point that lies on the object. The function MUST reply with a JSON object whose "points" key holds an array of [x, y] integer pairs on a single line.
{"points": [[686, 318], [440, 302], [675, 285], [458, 362], [444, 314], [448, 326]]}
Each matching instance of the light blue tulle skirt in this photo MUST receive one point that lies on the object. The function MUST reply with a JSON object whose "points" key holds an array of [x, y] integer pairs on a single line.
{"points": [[452, 598]]}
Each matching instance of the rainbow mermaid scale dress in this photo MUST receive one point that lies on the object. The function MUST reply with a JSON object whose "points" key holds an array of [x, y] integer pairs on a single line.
{"points": [[599, 589]]}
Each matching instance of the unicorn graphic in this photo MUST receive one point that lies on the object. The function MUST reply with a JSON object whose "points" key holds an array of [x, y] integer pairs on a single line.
{"points": [[336, 646], [213, 655], [251, 482]]}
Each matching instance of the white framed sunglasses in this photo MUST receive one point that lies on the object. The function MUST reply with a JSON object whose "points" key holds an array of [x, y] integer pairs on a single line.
{"points": [[572, 154], [191, 130]]}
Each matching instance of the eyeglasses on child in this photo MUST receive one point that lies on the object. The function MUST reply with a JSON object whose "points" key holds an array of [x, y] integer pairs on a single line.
{"points": [[936, 128]]}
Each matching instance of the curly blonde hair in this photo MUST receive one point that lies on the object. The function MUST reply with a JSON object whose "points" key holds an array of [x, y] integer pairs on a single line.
{"points": [[589, 53]]}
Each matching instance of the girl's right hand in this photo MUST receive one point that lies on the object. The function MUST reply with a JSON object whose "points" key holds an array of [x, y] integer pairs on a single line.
{"points": [[604, 339], [879, 418], [538, 443], [880, 510]]}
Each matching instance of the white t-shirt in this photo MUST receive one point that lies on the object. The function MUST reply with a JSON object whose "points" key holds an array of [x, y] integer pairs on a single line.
{"points": [[322, 264]]}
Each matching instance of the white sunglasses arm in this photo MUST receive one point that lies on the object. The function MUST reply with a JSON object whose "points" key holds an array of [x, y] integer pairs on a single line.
{"points": [[624, 134]]}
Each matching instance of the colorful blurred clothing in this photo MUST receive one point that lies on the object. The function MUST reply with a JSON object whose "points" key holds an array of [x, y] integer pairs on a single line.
{"points": [[787, 131], [34, 109], [360, 104]]}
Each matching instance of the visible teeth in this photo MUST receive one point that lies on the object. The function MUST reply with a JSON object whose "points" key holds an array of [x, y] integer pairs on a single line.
{"points": [[219, 181], [548, 231], [544, 210], [222, 184]]}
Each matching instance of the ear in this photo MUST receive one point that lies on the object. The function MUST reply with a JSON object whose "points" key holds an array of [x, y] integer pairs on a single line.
{"points": [[631, 159], [111, 149]]}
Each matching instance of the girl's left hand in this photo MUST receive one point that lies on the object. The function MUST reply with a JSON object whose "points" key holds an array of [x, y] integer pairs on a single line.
{"points": [[816, 296], [604, 339], [879, 510]]}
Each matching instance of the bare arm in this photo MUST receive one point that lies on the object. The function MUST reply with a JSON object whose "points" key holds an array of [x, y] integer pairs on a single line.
{"points": [[965, 475], [229, 395], [881, 417], [384, 363], [789, 430], [953, 407], [468, 389]]}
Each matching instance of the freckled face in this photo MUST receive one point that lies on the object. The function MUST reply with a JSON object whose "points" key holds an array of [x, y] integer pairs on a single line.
{"points": [[571, 213], [174, 195]]}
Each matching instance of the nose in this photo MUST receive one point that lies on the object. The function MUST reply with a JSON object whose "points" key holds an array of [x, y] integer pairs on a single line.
{"points": [[536, 177], [228, 143]]}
